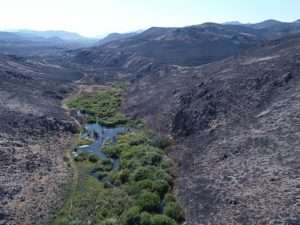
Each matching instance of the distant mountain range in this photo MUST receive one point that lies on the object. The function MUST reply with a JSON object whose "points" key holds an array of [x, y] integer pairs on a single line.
{"points": [[52, 34], [184, 46], [200, 44], [261, 25], [116, 36], [28, 42], [63, 35]]}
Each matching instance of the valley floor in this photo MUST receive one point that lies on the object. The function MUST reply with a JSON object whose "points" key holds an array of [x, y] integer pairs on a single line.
{"points": [[126, 182]]}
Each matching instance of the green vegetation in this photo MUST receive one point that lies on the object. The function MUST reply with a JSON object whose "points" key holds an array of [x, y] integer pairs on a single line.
{"points": [[84, 141], [162, 220], [173, 210], [102, 107], [93, 158], [138, 192]]}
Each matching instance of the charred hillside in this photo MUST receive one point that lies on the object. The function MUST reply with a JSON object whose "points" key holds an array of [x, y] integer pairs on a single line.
{"points": [[236, 123], [34, 132], [187, 46]]}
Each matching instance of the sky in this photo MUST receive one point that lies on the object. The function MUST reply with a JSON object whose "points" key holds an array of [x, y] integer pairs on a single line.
{"points": [[99, 17]]}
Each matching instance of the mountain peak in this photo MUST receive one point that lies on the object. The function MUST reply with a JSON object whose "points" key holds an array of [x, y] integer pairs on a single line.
{"points": [[266, 24], [232, 23]]}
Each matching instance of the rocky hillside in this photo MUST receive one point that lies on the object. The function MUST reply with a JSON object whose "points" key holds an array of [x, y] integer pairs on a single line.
{"points": [[236, 123]]}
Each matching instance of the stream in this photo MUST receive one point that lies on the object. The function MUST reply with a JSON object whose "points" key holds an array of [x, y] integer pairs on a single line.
{"points": [[101, 135]]}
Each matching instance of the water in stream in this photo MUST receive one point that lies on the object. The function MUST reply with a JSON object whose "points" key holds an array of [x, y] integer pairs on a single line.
{"points": [[100, 134]]}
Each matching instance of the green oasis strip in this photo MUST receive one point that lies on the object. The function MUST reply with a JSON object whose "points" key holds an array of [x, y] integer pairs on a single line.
{"points": [[138, 192]]}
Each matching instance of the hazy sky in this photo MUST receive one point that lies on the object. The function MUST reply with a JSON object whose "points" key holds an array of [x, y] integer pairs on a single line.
{"points": [[96, 17]]}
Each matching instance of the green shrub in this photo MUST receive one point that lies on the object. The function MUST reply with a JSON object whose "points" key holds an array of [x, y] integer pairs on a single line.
{"points": [[145, 185], [146, 218], [78, 159], [161, 187], [103, 165], [163, 175], [136, 124], [110, 221], [135, 138], [174, 211], [130, 153], [115, 178], [124, 176], [63, 221], [131, 164], [102, 107], [132, 216], [143, 173], [81, 157], [112, 150], [148, 201], [151, 158], [100, 175], [132, 189], [107, 184], [162, 220], [84, 141], [166, 164], [169, 198], [75, 222], [107, 165], [93, 158]]}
